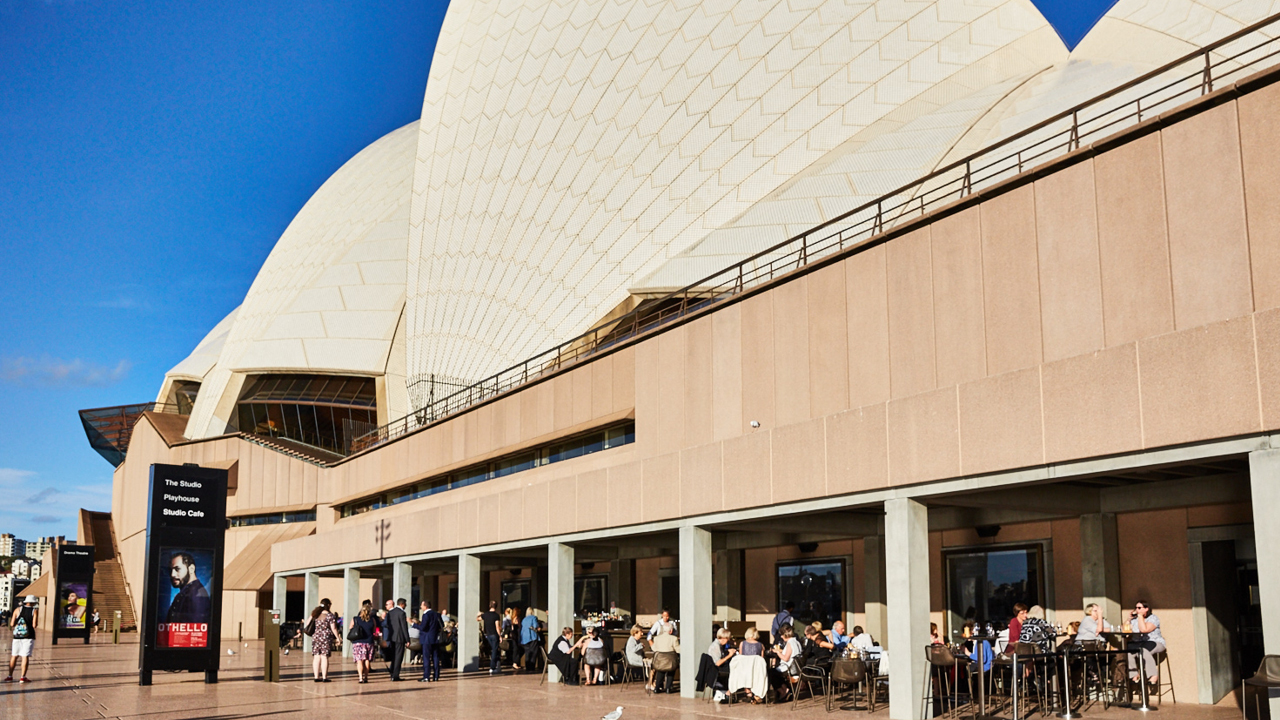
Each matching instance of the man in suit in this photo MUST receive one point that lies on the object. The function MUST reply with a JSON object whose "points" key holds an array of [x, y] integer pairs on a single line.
{"points": [[398, 636], [430, 626]]}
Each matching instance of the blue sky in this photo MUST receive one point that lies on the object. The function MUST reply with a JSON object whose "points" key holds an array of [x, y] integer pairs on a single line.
{"points": [[150, 156]]}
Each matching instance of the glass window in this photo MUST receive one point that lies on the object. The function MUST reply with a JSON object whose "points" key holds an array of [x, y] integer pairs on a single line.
{"points": [[984, 585], [816, 588], [515, 464], [591, 593], [516, 594]]}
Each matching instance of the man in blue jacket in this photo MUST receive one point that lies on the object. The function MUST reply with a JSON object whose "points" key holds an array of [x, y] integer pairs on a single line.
{"points": [[430, 625]]}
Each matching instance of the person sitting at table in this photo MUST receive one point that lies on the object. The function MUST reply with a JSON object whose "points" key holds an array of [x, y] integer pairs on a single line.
{"points": [[1093, 624], [934, 637], [837, 637], [1144, 621], [561, 656], [1015, 626], [665, 642], [720, 653], [751, 644], [634, 652], [661, 624], [818, 650], [787, 671], [862, 639], [594, 655]]}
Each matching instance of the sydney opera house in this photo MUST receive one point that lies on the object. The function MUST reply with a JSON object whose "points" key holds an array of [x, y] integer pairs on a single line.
{"points": [[904, 312]]}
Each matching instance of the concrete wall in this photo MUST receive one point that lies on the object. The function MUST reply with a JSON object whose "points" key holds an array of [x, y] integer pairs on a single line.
{"points": [[1106, 305], [1122, 299]]}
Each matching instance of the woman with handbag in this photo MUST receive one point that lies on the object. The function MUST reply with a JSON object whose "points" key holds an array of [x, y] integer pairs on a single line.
{"points": [[322, 634], [361, 637]]}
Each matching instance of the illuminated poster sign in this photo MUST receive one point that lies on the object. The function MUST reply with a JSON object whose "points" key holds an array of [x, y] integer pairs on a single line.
{"points": [[182, 602], [73, 581]]}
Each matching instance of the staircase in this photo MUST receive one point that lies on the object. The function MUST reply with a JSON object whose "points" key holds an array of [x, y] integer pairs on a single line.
{"points": [[110, 591]]}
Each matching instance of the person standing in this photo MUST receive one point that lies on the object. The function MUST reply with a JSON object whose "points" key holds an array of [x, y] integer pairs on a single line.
{"points": [[397, 636], [529, 639], [782, 618], [430, 628], [322, 636], [663, 624], [491, 627], [24, 622], [362, 648]]}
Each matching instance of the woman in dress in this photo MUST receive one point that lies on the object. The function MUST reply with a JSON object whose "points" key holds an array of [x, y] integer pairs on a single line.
{"points": [[362, 649], [322, 640]]}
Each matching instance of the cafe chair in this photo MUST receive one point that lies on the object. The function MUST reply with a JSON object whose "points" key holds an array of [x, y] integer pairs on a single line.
{"points": [[1267, 677], [851, 673], [632, 672], [809, 674]]}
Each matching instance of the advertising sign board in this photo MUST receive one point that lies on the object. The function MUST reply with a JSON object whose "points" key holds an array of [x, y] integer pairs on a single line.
{"points": [[182, 601], [74, 584]]}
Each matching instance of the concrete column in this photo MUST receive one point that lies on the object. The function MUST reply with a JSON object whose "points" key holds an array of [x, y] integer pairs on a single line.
{"points": [[280, 594], [350, 603], [1100, 563], [727, 587], [906, 540], [402, 584], [696, 603], [873, 583], [310, 599], [559, 595], [1264, 482], [468, 607]]}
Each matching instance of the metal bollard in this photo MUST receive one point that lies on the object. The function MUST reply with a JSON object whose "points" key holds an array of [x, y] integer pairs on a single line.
{"points": [[271, 645], [115, 628]]}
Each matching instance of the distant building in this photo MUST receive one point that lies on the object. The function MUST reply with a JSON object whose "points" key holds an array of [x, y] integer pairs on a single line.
{"points": [[26, 568], [36, 548], [10, 587], [11, 546]]}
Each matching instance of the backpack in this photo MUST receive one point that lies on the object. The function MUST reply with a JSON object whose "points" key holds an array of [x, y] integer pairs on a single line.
{"points": [[22, 631], [1036, 632]]}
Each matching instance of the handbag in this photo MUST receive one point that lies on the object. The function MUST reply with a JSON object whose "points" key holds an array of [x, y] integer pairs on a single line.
{"points": [[664, 662], [310, 628], [356, 633]]}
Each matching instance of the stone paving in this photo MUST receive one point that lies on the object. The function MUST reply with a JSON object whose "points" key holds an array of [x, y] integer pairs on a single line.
{"points": [[79, 682]]}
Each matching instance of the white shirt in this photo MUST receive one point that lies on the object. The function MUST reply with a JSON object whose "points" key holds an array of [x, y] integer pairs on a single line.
{"points": [[862, 641], [658, 625]]}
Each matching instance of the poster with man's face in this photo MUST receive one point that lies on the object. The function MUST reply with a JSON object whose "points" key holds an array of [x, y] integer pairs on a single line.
{"points": [[73, 601], [183, 617]]}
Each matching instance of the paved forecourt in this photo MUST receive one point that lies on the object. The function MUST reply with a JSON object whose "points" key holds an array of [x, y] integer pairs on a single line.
{"points": [[79, 682]]}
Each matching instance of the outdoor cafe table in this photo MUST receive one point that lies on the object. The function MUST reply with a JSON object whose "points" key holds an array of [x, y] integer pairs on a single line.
{"points": [[1126, 638]]}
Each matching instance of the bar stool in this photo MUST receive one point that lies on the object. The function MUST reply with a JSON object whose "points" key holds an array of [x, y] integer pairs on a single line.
{"points": [[1267, 677], [1166, 678], [1101, 672], [942, 662]]}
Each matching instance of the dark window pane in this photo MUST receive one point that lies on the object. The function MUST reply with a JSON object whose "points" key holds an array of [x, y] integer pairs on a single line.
{"points": [[816, 588]]}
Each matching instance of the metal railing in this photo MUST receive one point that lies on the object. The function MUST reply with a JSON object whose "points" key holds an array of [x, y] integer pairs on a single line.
{"points": [[1191, 76]]}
